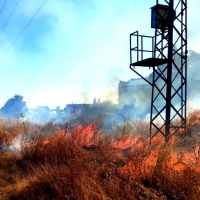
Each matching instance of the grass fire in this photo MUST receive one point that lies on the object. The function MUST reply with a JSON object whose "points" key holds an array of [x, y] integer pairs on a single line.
{"points": [[74, 161]]}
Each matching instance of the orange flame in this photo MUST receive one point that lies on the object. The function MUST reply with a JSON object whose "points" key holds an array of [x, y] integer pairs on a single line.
{"points": [[159, 151]]}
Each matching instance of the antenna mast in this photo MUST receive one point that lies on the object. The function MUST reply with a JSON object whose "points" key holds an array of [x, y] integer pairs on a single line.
{"points": [[168, 60]]}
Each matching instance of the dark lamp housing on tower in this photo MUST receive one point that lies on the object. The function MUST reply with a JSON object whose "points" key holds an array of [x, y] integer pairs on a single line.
{"points": [[160, 16]]}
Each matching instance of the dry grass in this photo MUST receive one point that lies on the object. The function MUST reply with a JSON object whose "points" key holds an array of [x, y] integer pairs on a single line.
{"points": [[54, 164]]}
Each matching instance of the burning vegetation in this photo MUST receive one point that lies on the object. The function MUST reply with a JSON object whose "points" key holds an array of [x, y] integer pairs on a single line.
{"points": [[71, 161]]}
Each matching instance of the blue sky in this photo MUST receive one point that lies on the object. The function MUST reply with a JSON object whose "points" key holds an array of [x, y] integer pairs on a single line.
{"points": [[73, 50]]}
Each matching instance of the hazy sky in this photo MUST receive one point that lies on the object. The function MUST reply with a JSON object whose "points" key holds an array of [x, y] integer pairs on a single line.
{"points": [[73, 50]]}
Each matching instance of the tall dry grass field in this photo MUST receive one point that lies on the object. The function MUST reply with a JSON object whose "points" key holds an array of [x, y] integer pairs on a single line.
{"points": [[83, 163]]}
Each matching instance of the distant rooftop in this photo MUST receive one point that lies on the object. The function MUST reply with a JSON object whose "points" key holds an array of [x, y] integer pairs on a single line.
{"points": [[133, 81]]}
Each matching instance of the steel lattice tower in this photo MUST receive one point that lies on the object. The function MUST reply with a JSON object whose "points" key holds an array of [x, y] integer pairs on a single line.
{"points": [[167, 57]]}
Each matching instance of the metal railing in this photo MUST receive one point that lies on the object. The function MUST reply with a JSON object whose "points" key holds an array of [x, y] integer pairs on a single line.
{"points": [[137, 47]]}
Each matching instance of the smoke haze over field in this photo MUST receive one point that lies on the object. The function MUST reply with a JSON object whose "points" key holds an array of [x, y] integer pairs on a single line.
{"points": [[134, 101], [73, 51]]}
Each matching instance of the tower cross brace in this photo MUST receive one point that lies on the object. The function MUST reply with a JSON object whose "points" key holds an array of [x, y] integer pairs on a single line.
{"points": [[168, 60]]}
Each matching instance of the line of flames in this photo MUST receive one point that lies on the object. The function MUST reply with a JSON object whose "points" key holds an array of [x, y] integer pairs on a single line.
{"points": [[178, 161]]}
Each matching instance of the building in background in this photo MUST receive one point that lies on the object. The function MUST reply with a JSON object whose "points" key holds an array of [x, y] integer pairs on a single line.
{"points": [[135, 92]]}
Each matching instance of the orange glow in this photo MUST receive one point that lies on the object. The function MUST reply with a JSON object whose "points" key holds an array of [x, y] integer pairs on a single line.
{"points": [[194, 117], [86, 136], [126, 142], [145, 158]]}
